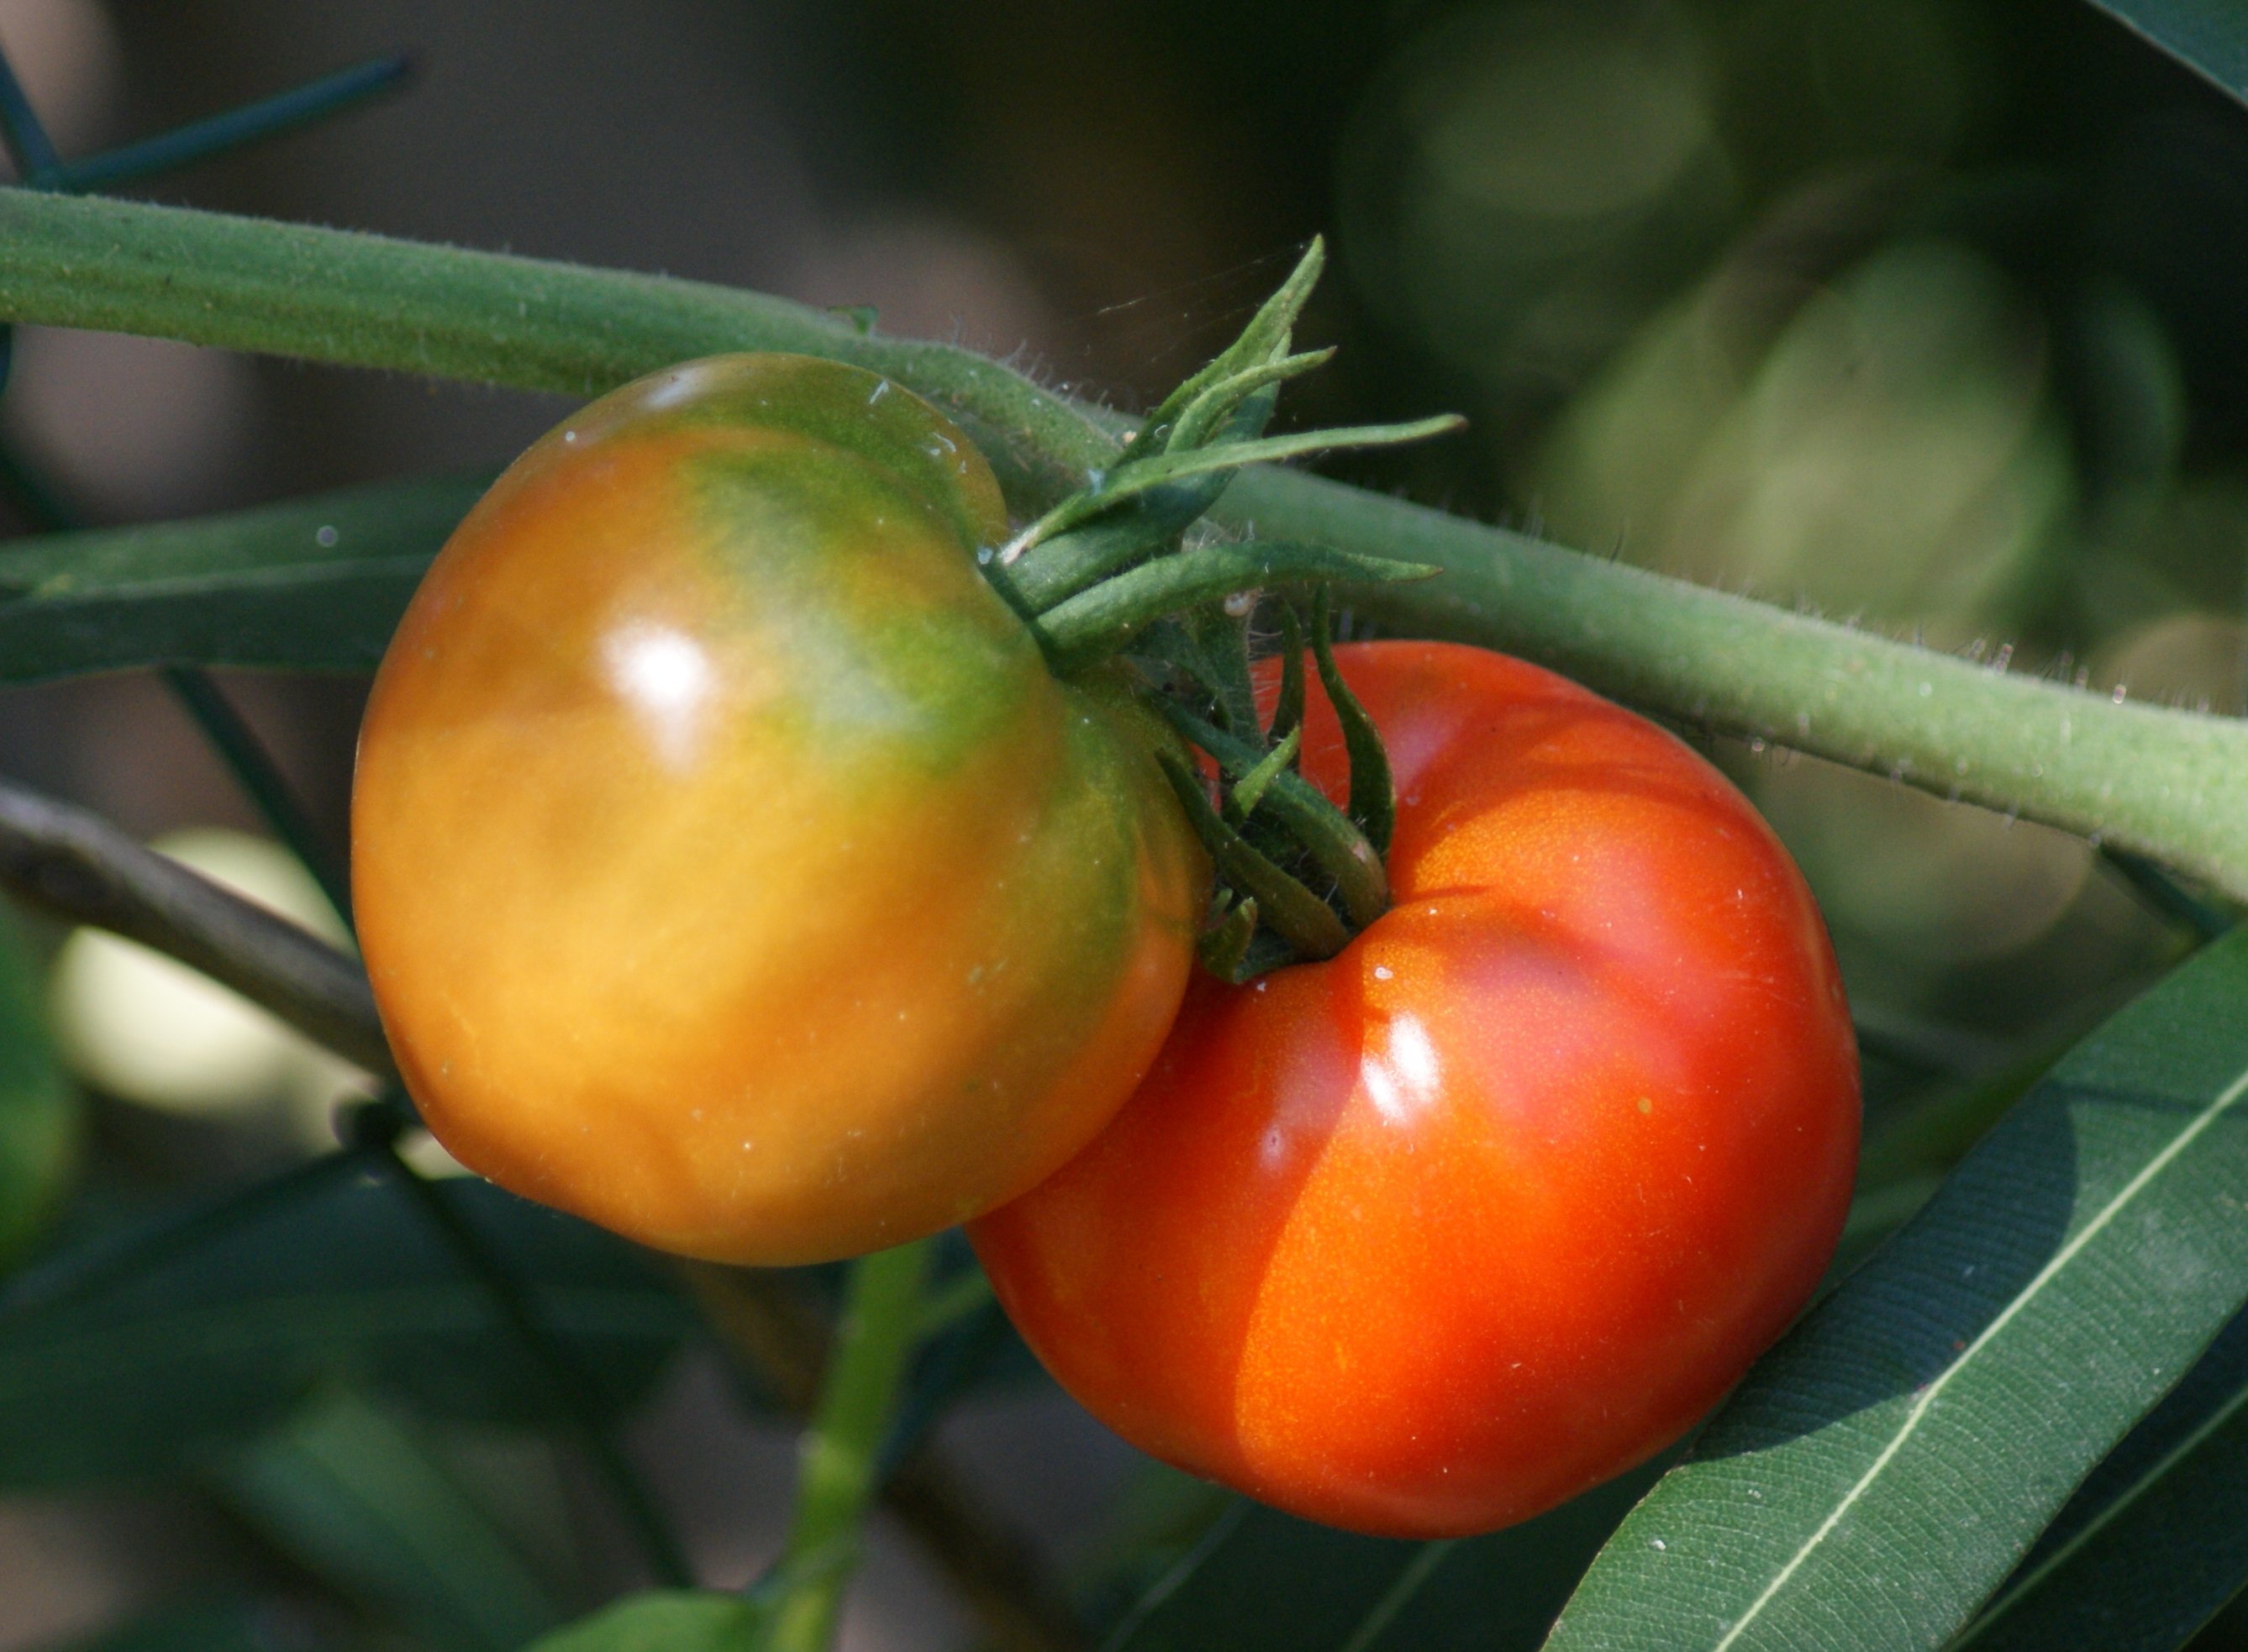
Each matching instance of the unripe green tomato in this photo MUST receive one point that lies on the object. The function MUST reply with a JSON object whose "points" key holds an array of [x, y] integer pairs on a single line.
{"points": [[729, 869]]}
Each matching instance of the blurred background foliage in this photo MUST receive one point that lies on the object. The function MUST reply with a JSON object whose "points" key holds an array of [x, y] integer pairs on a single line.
{"points": [[1923, 315]]}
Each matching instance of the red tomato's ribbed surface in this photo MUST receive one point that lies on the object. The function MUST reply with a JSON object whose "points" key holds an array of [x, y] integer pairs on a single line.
{"points": [[729, 869], [1427, 1237]]}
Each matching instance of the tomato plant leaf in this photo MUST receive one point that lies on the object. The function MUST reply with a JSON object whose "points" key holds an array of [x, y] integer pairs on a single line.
{"points": [[2154, 1542], [1141, 475], [2209, 37], [118, 1360], [1263, 1579], [225, 1625], [364, 1502], [39, 1107], [662, 1621], [1881, 1472], [1250, 790], [1225, 946], [1211, 408], [311, 585]]}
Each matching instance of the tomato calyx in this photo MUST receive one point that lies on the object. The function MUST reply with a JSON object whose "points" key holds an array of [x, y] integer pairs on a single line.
{"points": [[1120, 568], [1101, 566], [1297, 875]]}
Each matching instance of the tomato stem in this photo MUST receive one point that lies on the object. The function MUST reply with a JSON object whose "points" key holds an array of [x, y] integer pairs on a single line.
{"points": [[1096, 623], [1108, 568], [840, 1460]]}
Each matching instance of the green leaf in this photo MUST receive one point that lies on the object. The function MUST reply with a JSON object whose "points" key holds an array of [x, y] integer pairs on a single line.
{"points": [[363, 1502], [2209, 37], [1261, 1580], [119, 1360], [662, 1621], [313, 585], [1288, 710], [207, 1626], [40, 1109], [2155, 1541], [1882, 1470]]}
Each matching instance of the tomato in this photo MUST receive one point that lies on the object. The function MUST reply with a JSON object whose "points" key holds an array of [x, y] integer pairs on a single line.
{"points": [[1427, 1237], [728, 867]]}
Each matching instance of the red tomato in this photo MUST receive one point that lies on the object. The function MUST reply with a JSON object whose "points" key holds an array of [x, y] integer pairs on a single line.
{"points": [[1431, 1235]]}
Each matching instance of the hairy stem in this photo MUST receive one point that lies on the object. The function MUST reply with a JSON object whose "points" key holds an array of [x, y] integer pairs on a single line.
{"points": [[362, 301], [2170, 785]]}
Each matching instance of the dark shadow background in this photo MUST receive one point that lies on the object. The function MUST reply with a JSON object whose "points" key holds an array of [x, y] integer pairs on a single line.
{"points": [[1925, 313]]}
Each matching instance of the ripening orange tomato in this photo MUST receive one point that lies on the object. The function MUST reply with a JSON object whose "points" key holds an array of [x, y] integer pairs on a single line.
{"points": [[1425, 1239], [728, 867]]}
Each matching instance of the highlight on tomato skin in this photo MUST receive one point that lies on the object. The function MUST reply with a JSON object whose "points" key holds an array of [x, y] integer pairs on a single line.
{"points": [[1427, 1237], [731, 869]]}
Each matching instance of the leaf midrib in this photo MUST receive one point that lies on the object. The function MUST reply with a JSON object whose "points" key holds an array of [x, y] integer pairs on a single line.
{"points": [[1925, 1400]]}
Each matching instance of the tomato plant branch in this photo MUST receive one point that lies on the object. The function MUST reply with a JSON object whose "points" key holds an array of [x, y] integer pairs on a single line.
{"points": [[842, 1450], [76, 866], [2170, 785], [37, 161], [223, 726], [782, 1342]]}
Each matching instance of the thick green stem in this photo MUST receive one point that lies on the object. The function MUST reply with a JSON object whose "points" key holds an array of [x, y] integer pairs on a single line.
{"points": [[880, 1324], [2170, 785], [362, 301]]}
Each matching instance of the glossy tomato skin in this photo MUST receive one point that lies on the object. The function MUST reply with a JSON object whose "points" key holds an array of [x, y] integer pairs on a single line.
{"points": [[729, 867], [1426, 1239]]}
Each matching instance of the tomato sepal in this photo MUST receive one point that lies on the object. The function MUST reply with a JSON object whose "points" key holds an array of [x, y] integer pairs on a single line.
{"points": [[1102, 621], [1373, 798], [1307, 923], [1335, 844]]}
